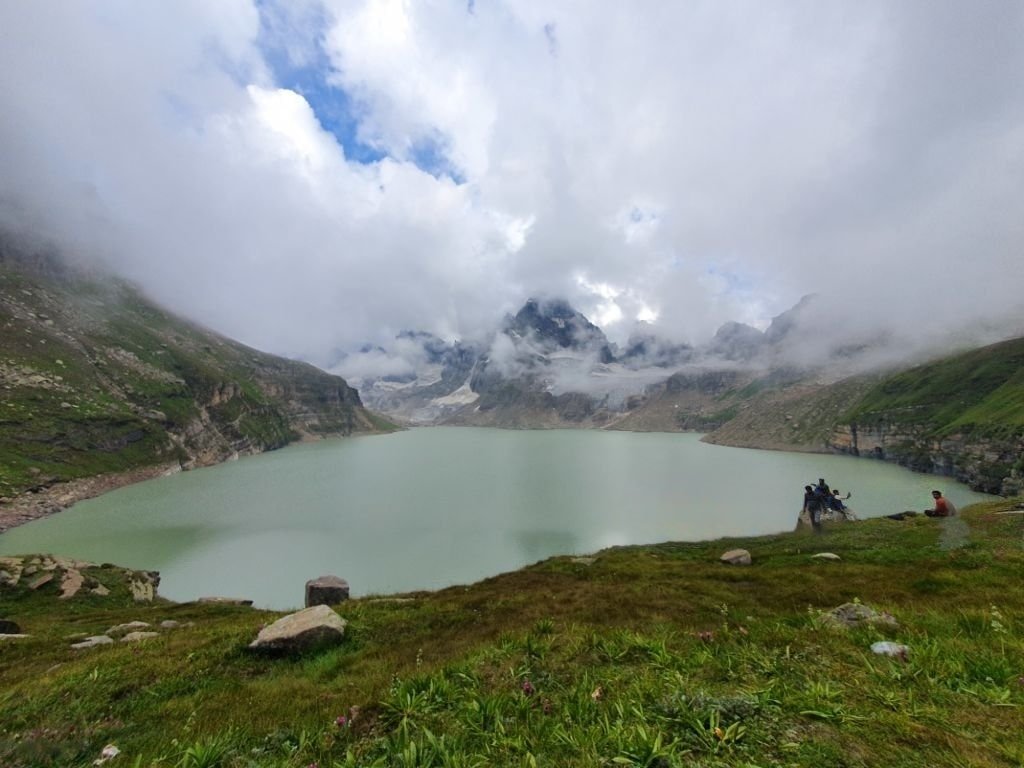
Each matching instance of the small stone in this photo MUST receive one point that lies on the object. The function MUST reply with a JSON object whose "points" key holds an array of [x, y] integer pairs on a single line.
{"points": [[134, 637], [736, 557], [92, 642], [326, 590], [310, 627], [826, 556], [885, 648], [130, 626], [169, 624], [8, 627], [13, 636]]}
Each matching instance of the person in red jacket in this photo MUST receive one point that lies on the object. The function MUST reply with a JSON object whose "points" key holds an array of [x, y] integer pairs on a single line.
{"points": [[941, 508]]}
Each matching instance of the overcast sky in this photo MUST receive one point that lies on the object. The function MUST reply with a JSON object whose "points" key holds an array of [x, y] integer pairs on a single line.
{"points": [[306, 176]]}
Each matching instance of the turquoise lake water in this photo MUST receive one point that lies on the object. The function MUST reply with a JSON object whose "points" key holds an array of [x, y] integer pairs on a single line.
{"points": [[432, 507]]}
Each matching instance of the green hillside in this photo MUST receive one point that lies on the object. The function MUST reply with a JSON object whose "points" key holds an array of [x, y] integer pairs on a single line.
{"points": [[96, 378], [979, 392]]}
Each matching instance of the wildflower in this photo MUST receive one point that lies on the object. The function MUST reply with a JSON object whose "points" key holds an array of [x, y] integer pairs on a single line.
{"points": [[341, 721], [597, 694], [706, 636], [528, 688], [313, 765]]}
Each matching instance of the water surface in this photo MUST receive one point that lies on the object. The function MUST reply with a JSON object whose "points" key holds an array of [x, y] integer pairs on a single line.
{"points": [[438, 506]]}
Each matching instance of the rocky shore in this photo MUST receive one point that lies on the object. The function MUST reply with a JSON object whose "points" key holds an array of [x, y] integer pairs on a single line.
{"points": [[56, 498]]}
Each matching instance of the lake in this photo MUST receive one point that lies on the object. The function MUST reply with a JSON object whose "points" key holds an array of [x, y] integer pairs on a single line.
{"points": [[436, 506]]}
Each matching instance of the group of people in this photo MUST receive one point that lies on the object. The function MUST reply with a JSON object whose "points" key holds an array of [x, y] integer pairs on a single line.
{"points": [[820, 500]]}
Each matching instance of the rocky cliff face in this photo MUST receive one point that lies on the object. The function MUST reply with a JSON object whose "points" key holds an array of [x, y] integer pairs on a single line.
{"points": [[985, 464]]}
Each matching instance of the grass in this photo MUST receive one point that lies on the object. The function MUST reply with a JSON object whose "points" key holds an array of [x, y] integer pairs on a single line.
{"points": [[989, 387], [648, 656]]}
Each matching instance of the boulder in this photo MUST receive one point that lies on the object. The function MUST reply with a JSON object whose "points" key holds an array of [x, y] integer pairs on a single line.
{"points": [[326, 590], [826, 556], [169, 624], [308, 628], [850, 615], [92, 642], [8, 627], [736, 557]]}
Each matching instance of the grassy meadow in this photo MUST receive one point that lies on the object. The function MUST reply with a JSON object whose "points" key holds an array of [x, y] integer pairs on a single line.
{"points": [[637, 656]]}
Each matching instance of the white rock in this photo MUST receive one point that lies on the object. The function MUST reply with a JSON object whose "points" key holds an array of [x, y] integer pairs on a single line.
{"points": [[886, 648], [92, 642], [131, 626], [133, 637], [826, 556], [736, 557]]}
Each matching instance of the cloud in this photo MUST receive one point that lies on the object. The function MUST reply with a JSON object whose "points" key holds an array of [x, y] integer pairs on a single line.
{"points": [[309, 176]]}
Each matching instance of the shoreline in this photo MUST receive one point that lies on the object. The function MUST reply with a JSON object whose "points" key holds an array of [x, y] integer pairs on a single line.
{"points": [[28, 506]]}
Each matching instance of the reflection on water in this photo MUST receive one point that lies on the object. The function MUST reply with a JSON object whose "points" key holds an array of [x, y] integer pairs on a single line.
{"points": [[432, 507]]}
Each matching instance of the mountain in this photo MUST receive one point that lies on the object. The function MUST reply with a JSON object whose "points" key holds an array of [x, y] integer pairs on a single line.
{"points": [[98, 379], [545, 366]]}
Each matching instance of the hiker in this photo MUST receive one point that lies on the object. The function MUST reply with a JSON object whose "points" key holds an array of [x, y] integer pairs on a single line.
{"points": [[813, 507], [942, 508]]}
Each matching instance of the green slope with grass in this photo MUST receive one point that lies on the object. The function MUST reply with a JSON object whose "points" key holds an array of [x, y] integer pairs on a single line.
{"points": [[95, 378], [980, 392], [639, 656], [962, 415]]}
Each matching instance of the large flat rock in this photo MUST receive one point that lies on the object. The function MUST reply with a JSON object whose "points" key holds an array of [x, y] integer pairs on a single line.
{"points": [[308, 628]]}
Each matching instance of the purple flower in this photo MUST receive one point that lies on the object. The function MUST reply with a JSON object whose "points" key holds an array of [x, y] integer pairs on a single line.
{"points": [[528, 688], [341, 722]]}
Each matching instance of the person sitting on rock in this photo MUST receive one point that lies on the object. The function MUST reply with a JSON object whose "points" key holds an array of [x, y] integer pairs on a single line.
{"points": [[941, 508], [837, 500]]}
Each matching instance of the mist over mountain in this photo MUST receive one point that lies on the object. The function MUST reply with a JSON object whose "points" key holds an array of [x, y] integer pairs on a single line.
{"points": [[549, 350]]}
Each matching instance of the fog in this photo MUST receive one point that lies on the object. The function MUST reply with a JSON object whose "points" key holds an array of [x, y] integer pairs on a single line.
{"points": [[312, 176]]}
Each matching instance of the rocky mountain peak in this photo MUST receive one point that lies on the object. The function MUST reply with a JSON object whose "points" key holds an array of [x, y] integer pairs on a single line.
{"points": [[556, 324]]}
